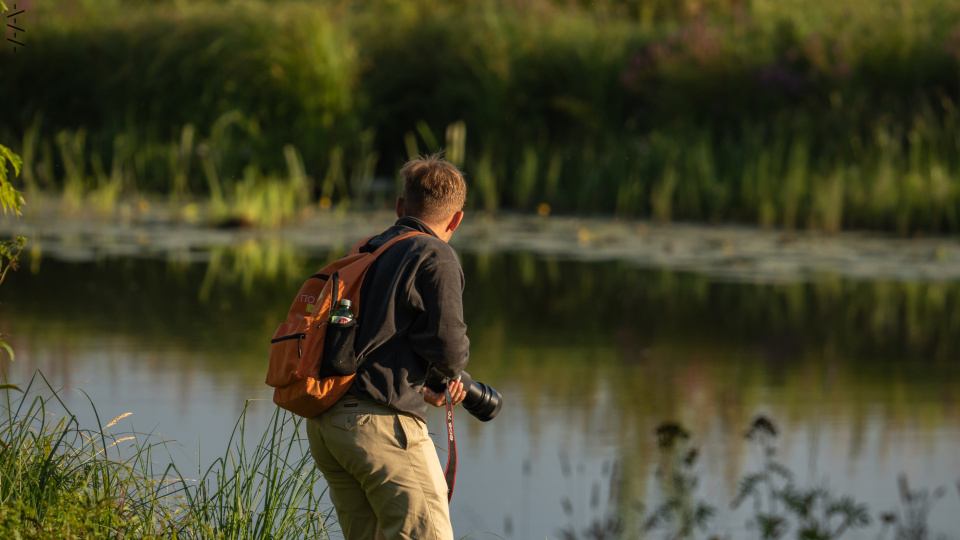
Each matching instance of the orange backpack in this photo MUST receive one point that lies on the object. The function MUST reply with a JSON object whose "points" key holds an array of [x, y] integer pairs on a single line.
{"points": [[312, 362]]}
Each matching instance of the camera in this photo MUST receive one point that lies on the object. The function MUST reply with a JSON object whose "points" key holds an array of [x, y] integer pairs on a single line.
{"points": [[482, 401]]}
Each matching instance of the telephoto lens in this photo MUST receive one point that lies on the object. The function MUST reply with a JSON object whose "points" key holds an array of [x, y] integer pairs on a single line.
{"points": [[482, 401]]}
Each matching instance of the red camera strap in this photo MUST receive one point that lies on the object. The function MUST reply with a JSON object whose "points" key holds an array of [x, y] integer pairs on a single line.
{"points": [[450, 474]]}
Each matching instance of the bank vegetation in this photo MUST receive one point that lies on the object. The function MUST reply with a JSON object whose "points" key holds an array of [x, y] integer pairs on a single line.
{"points": [[827, 114]]}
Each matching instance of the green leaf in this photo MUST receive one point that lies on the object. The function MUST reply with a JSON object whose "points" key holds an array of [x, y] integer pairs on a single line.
{"points": [[703, 515], [771, 526], [781, 470], [7, 155], [8, 349], [748, 487], [9, 197], [10, 387]]}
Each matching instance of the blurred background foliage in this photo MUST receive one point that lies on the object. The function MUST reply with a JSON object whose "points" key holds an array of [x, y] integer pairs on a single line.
{"points": [[822, 114]]}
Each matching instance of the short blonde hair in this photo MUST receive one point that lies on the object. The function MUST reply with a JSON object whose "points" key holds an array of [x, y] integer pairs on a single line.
{"points": [[433, 188]]}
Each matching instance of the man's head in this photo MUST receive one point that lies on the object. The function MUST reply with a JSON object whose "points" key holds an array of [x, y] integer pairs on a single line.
{"points": [[434, 191]]}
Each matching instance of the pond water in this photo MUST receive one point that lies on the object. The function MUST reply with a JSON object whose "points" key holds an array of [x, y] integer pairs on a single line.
{"points": [[860, 376]]}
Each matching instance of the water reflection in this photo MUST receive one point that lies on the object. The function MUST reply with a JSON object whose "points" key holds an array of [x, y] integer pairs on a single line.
{"points": [[591, 358]]}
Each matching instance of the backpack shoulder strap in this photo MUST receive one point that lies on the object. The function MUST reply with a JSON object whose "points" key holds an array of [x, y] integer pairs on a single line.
{"points": [[358, 248], [360, 244]]}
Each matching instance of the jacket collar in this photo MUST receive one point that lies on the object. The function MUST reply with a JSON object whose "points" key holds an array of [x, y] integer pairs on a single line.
{"points": [[411, 222]]}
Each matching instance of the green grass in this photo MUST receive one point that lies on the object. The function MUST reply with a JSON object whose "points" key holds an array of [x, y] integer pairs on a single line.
{"points": [[830, 115], [59, 479]]}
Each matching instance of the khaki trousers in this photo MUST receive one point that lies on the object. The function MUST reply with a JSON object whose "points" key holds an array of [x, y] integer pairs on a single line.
{"points": [[382, 469]]}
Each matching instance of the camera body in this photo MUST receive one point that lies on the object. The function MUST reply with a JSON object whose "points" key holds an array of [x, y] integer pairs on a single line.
{"points": [[482, 401]]}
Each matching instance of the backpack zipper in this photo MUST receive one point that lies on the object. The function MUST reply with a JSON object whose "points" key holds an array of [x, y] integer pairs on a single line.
{"points": [[298, 337]]}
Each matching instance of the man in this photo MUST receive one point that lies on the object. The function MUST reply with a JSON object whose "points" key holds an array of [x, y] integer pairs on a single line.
{"points": [[372, 446]]}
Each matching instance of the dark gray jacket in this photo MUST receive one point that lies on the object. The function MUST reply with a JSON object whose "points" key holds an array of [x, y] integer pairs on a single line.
{"points": [[410, 318]]}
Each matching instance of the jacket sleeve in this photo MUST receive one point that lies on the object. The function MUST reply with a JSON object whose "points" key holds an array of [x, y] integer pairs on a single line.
{"points": [[439, 333]]}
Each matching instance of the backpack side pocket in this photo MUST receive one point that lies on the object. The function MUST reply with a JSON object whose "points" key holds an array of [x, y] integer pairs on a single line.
{"points": [[339, 356], [286, 350]]}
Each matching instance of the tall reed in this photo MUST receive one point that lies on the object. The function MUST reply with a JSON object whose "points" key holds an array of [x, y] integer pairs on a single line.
{"points": [[62, 478]]}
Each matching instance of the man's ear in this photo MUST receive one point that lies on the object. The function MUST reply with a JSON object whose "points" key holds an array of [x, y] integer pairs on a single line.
{"points": [[399, 207], [455, 221]]}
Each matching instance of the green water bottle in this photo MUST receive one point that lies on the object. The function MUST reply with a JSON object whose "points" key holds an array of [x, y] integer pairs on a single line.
{"points": [[342, 314]]}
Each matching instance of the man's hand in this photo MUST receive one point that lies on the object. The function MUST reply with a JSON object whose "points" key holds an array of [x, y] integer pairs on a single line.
{"points": [[438, 399]]}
